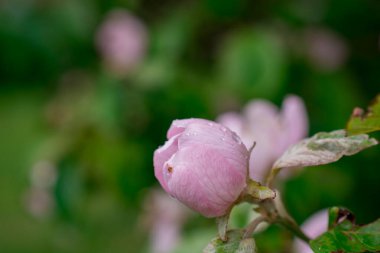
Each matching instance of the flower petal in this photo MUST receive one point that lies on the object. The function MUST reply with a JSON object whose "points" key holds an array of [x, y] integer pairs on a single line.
{"points": [[163, 154], [205, 180], [294, 120], [219, 138], [262, 126], [179, 125], [233, 121]]}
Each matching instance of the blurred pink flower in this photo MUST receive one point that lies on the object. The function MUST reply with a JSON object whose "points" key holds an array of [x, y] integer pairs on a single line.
{"points": [[165, 217], [39, 199], [325, 49], [312, 227], [121, 40], [272, 130], [39, 203], [203, 164]]}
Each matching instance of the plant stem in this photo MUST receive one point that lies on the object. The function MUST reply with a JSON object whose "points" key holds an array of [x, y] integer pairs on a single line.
{"points": [[252, 226], [270, 211], [293, 227]]}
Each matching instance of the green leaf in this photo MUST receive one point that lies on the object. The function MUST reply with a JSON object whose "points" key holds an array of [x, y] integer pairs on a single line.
{"points": [[365, 122], [235, 244], [323, 148], [345, 236]]}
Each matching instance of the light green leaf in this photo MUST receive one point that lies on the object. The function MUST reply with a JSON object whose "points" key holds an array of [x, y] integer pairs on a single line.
{"points": [[234, 244], [345, 236], [365, 122], [323, 148]]}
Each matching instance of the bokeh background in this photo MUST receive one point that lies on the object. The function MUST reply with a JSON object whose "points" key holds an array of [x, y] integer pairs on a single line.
{"points": [[88, 89]]}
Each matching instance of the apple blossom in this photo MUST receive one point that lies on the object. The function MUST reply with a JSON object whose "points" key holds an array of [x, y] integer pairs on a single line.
{"points": [[121, 41], [203, 164], [272, 130], [325, 48]]}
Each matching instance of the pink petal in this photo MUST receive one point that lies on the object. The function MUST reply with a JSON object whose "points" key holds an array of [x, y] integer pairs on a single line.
{"points": [[233, 121], [273, 132], [260, 108], [263, 126], [163, 154], [294, 120], [261, 161], [179, 125], [219, 138], [166, 217], [205, 180]]}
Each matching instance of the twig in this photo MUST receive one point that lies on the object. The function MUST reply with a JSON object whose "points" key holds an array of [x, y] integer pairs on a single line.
{"points": [[252, 226]]}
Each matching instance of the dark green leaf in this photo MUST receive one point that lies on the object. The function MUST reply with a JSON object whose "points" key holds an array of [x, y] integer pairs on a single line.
{"points": [[345, 236]]}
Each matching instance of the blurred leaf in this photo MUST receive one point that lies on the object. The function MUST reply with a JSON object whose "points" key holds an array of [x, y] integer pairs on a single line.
{"points": [[234, 244], [361, 122], [335, 102], [241, 214], [169, 39], [226, 8], [325, 186], [323, 148], [69, 189], [346, 236], [253, 63], [195, 241]]}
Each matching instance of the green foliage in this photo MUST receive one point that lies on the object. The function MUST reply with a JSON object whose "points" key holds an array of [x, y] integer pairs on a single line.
{"points": [[361, 122], [252, 62], [346, 236], [195, 241]]}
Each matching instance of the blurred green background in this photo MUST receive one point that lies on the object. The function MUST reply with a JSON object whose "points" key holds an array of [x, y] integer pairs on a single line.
{"points": [[77, 134]]}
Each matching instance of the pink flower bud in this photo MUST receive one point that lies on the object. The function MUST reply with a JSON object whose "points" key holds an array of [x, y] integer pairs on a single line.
{"points": [[203, 164]]}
